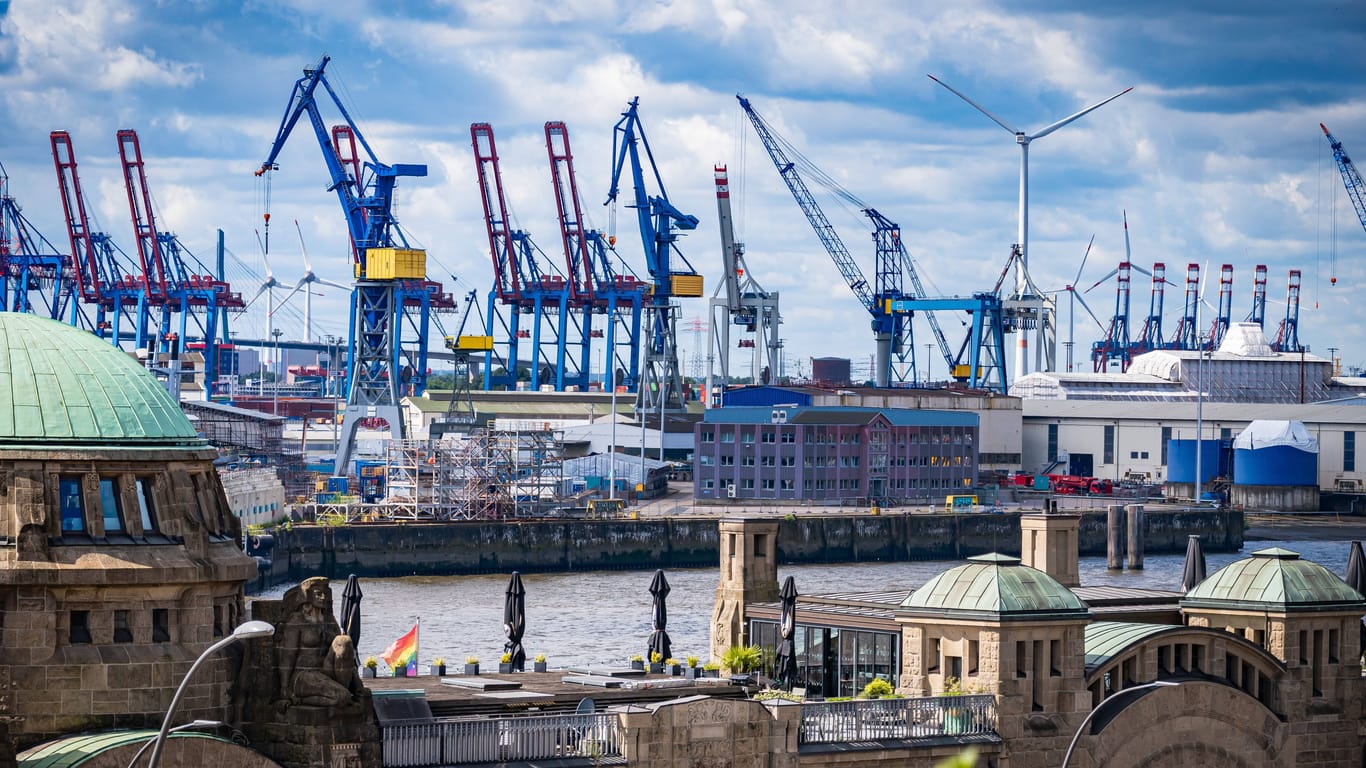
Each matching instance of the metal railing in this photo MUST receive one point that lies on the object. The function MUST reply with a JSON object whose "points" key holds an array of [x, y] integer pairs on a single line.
{"points": [[826, 722], [452, 741]]}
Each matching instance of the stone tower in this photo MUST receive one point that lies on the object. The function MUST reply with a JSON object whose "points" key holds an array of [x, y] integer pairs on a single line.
{"points": [[999, 627], [1304, 615], [749, 574], [119, 557], [1050, 544]]}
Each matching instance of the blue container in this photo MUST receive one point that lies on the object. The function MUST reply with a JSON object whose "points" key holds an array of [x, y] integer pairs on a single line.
{"points": [[1181, 460], [1275, 465], [336, 484]]}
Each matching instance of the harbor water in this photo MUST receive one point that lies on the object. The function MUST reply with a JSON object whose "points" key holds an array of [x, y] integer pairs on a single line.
{"points": [[601, 618]]}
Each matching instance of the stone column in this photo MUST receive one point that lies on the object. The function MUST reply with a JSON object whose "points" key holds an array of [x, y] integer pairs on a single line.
{"points": [[749, 574], [1049, 543]]}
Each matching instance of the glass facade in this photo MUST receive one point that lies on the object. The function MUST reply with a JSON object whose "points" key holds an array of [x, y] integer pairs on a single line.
{"points": [[833, 661]]}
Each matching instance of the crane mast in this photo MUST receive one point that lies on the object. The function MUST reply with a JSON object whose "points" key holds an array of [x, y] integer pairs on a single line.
{"points": [[745, 303], [1258, 313], [1225, 312], [1187, 335], [376, 372], [34, 277], [659, 222], [1115, 345], [1150, 338], [1288, 334]]}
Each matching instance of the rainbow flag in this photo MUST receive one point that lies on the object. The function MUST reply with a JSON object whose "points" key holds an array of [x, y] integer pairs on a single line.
{"points": [[403, 652]]}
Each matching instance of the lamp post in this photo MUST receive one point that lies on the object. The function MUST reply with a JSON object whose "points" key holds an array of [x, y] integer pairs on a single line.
{"points": [[246, 631], [275, 385], [928, 362], [1080, 729]]}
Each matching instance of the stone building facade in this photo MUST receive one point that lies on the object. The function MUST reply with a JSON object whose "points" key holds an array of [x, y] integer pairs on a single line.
{"points": [[119, 558]]}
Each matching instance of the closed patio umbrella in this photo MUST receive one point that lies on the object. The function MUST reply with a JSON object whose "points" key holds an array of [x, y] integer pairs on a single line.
{"points": [[514, 621], [1356, 568], [350, 609], [1194, 571], [785, 665], [659, 617]]}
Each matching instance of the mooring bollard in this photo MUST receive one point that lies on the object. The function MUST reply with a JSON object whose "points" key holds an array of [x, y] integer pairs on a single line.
{"points": [[1114, 537], [1135, 512]]}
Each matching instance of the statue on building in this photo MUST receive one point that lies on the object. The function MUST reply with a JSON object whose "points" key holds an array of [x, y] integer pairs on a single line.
{"points": [[315, 661]]}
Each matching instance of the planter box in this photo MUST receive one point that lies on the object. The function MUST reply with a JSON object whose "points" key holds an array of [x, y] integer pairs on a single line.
{"points": [[692, 673], [504, 668], [655, 669], [639, 665], [400, 672], [471, 669], [438, 669], [674, 670], [368, 672], [538, 666]]}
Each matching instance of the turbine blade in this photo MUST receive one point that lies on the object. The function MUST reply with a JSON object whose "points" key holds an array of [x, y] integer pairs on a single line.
{"points": [[1086, 307], [286, 299], [1084, 256], [1127, 256], [302, 247], [1108, 275], [977, 106], [333, 284], [264, 287], [1042, 133]]}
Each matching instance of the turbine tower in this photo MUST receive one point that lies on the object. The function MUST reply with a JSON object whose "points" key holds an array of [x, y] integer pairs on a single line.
{"points": [[1022, 266]]}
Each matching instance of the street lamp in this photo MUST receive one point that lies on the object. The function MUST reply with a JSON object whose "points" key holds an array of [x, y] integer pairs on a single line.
{"points": [[246, 631], [1155, 684]]}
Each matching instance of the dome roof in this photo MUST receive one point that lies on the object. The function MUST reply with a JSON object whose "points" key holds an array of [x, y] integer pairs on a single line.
{"points": [[995, 586], [1274, 578], [63, 385]]}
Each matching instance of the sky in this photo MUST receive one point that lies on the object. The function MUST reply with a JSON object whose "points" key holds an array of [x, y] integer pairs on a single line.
{"points": [[1215, 156]]}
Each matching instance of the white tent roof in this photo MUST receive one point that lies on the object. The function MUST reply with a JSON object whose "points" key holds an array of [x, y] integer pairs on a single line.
{"points": [[1266, 434]]}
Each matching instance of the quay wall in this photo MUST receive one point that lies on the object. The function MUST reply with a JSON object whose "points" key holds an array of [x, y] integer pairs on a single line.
{"points": [[396, 549]]}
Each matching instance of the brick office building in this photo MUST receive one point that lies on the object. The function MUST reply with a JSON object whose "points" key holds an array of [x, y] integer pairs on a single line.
{"points": [[833, 454]]}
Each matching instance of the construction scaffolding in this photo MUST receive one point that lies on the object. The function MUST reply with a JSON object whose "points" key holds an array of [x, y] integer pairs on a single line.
{"points": [[485, 475], [247, 438]]}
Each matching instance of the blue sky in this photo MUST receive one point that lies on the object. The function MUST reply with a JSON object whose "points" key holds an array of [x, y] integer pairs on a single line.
{"points": [[1215, 155]]}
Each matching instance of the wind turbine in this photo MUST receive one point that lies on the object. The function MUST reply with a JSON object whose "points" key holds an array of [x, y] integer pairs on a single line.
{"points": [[302, 285], [267, 287], [1072, 298], [1022, 266]]}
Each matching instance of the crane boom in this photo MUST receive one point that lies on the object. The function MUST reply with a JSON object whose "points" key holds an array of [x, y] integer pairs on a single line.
{"points": [[888, 230], [1356, 190], [848, 268]]}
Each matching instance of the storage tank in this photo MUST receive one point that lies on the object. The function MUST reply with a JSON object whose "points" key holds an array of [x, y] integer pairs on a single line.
{"points": [[831, 371], [1181, 460], [1276, 467]]}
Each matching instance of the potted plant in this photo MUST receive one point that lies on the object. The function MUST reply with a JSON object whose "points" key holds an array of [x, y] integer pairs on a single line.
{"points": [[637, 661], [691, 671], [538, 663], [672, 667], [711, 669], [371, 667], [656, 663], [957, 718], [471, 665], [401, 670], [505, 664], [742, 659], [438, 667], [877, 689]]}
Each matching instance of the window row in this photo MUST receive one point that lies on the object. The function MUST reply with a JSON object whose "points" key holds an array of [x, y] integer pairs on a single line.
{"points": [[115, 507]]}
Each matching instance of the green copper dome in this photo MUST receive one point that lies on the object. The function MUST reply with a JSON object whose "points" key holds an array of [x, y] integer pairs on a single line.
{"points": [[63, 385], [1276, 579], [995, 587]]}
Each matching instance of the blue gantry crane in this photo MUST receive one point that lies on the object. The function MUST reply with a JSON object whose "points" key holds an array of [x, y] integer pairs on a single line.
{"points": [[1288, 334], [660, 222], [380, 371], [1187, 334], [1223, 315], [1258, 312], [1150, 336], [596, 285], [34, 276]]}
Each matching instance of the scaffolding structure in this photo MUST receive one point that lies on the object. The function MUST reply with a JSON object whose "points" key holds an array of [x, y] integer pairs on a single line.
{"points": [[486, 475], [250, 438]]}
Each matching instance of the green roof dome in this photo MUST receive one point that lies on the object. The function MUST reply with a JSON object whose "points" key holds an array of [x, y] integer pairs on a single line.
{"points": [[60, 384], [1274, 578], [995, 586]]}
